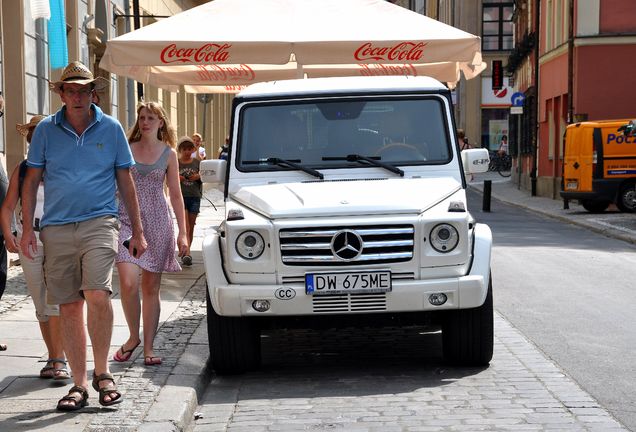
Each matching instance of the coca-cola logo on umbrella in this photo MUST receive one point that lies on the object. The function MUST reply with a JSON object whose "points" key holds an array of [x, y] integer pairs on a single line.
{"points": [[404, 51], [208, 53]]}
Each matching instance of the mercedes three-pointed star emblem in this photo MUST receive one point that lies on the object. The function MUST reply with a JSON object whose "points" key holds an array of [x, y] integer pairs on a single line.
{"points": [[346, 245]]}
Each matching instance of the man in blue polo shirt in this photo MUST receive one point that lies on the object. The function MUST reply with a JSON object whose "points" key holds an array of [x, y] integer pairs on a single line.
{"points": [[82, 154]]}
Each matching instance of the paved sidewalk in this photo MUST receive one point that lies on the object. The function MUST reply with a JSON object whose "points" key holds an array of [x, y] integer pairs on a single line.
{"points": [[157, 398]]}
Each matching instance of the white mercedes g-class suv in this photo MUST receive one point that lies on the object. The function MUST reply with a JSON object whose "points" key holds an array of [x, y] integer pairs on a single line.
{"points": [[345, 204]]}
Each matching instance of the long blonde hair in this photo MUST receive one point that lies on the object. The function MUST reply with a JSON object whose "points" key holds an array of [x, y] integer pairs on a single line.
{"points": [[166, 133]]}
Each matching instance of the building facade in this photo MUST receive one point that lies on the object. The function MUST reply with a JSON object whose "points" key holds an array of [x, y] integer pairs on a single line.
{"points": [[522, 68], [564, 61], [482, 110], [29, 55], [580, 53], [585, 71]]}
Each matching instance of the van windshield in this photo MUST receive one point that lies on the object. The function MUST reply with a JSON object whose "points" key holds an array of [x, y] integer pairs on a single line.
{"points": [[320, 134]]}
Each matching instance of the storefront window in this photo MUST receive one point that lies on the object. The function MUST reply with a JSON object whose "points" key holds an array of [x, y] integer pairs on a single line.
{"points": [[494, 125]]}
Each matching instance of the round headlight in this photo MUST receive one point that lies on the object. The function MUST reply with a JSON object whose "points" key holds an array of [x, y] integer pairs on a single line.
{"points": [[444, 237], [250, 245]]}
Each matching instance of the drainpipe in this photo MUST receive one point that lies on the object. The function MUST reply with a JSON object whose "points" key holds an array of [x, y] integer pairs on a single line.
{"points": [[535, 136], [40, 64], [130, 85], [137, 25], [571, 62], [570, 118]]}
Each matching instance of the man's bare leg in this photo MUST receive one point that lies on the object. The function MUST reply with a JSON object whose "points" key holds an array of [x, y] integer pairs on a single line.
{"points": [[100, 330], [74, 341]]}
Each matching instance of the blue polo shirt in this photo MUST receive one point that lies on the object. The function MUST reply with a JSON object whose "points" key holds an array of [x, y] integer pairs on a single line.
{"points": [[79, 170]]}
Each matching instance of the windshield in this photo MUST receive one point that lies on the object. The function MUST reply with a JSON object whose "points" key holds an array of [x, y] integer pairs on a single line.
{"points": [[321, 134]]}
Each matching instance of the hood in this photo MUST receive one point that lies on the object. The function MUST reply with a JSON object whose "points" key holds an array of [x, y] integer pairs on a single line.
{"points": [[352, 197]]}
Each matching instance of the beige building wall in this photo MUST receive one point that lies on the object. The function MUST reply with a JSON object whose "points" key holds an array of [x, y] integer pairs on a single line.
{"points": [[13, 89], [468, 113], [22, 79]]}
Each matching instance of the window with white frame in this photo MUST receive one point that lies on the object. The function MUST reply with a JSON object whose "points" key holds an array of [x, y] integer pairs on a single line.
{"points": [[557, 23]]}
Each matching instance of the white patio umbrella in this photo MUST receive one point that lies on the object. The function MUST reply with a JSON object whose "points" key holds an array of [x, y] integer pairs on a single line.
{"points": [[231, 43]]}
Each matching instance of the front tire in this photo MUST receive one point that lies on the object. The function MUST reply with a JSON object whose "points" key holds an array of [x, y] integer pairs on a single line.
{"points": [[235, 342], [468, 334], [627, 198], [595, 206]]}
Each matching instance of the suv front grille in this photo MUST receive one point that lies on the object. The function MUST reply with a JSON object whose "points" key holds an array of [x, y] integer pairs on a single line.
{"points": [[346, 245], [350, 303]]}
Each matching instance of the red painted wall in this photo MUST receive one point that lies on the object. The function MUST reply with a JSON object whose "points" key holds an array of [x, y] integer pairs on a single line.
{"points": [[553, 89], [544, 167], [617, 16], [605, 81], [553, 81]]}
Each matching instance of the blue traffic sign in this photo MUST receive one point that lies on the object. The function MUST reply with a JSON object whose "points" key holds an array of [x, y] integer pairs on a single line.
{"points": [[517, 99]]}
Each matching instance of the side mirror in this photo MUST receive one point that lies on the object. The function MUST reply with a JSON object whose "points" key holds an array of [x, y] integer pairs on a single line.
{"points": [[629, 129], [213, 172], [475, 160]]}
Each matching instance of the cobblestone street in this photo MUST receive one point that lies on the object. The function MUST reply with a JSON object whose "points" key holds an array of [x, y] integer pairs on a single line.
{"points": [[15, 294], [389, 380]]}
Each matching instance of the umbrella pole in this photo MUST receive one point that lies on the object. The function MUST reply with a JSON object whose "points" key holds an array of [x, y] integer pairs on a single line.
{"points": [[300, 73], [205, 105]]}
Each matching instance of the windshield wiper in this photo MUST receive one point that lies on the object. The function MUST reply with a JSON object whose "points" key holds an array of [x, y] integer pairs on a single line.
{"points": [[374, 160], [294, 163]]}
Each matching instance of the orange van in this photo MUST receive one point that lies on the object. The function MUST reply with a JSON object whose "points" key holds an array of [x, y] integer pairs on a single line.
{"points": [[599, 165]]}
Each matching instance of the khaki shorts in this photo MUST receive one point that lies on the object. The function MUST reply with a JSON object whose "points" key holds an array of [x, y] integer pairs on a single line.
{"points": [[34, 278], [79, 256]]}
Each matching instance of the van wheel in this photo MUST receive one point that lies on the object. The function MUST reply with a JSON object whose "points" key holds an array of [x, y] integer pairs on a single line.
{"points": [[627, 198], [235, 342], [595, 206], [468, 334]]}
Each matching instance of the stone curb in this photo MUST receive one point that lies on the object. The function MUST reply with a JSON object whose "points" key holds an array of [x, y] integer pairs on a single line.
{"points": [[177, 401]]}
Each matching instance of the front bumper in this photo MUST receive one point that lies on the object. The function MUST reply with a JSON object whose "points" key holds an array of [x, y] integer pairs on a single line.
{"points": [[463, 292]]}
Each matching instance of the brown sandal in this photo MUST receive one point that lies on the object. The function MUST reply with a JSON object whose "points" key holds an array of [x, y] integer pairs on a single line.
{"points": [[106, 391], [79, 402]]}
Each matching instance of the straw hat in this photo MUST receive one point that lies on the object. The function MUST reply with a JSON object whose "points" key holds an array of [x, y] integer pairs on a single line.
{"points": [[23, 129], [77, 73]]}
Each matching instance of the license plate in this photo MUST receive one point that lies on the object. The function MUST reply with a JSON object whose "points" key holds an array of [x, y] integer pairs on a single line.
{"points": [[343, 283], [572, 185]]}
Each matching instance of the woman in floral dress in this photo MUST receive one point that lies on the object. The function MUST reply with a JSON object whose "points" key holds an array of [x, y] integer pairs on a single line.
{"points": [[152, 141]]}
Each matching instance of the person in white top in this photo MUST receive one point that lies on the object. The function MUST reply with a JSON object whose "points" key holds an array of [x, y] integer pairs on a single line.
{"points": [[48, 315], [199, 152], [503, 146]]}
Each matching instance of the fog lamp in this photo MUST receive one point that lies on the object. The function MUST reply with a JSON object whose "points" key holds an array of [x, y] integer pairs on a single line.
{"points": [[260, 305], [437, 299]]}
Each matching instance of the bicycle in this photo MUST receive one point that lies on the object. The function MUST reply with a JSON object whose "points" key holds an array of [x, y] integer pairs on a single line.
{"points": [[501, 164]]}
